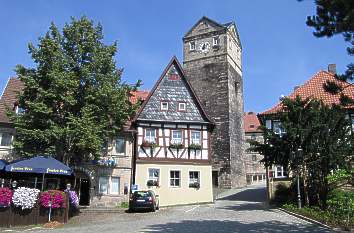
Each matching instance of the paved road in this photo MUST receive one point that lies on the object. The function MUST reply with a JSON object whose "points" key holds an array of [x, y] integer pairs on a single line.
{"points": [[241, 212]]}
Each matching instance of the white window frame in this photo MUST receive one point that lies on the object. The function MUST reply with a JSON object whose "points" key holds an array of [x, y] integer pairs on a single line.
{"points": [[216, 40], [189, 177], [99, 185], [182, 104], [124, 145], [111, 186], [150, 138], [179, 178], [11, 139], [192, 46], [282, 172], [176, 140], [153, 178], [193, 139], [162, 107], [281, 131]]}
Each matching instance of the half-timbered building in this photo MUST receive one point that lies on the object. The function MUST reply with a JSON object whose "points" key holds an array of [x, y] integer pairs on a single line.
{"points": [[173, 142]]}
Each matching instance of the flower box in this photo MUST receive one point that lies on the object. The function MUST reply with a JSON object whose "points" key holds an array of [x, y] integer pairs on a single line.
{"points": [[194, 185], [195, 147], [176, 146], [150, 183], [149, 144]]}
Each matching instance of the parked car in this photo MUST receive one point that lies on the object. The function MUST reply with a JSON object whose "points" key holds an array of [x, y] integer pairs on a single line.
{"points": [[144, 200]]}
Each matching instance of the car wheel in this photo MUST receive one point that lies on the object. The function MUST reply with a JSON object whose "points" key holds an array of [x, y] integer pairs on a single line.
{"points": [[153, 208]]}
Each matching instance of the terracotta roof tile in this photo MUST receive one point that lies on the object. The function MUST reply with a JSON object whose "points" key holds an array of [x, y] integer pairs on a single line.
{"points": [[313, 88], [251, 122], [138, 95], [9, 97]]}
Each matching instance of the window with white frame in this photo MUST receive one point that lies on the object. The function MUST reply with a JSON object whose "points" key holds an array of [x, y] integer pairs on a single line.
{"points": [[6, 139], [154, 174], [115, 185], [120, 145], [216, 40], [280, 172], [164, 106], [192, 45], [175, 178], [195, 137], [181, 106], [19, 110], [103, 184], [176, 137], [150, 135], [277, 128], [194, 177]]}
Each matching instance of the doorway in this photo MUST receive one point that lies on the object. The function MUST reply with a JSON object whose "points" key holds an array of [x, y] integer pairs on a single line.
{"points": [[84, 198], [215, 178]]}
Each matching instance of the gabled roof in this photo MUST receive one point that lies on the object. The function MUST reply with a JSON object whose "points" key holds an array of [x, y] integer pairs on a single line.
{"points": [[314, 88], [9, 97], [138, 95], [210, 21], [251, 123], [172, 87], [217, 25]]}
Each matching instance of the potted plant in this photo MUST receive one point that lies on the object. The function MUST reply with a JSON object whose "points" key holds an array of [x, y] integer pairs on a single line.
{"points": [[5, 197], [52, 198], [195, 146], [25, 198]]}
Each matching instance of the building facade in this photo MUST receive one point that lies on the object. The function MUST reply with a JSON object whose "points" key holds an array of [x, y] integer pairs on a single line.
{"points": [[105, 182], [212, 64], [173, 141], [255, 170]]}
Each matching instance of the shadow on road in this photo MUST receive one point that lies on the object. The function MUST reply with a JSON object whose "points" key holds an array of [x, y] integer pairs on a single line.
{"points": [[230, 226], [251, 195]]}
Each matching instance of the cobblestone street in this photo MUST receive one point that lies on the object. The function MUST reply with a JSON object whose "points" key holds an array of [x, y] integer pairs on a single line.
{"points": [[241, 212]]}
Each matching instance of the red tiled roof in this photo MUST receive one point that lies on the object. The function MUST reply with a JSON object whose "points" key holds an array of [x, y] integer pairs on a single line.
{"points": [[9, 97], [314, 88], [251, 122], [138, 95]]}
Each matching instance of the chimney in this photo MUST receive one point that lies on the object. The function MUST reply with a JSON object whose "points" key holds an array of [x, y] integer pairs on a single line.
{"points": [[332, 68]]}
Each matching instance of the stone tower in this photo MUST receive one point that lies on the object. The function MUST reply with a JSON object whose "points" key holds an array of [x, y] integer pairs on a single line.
{"points": [[212, 64]]}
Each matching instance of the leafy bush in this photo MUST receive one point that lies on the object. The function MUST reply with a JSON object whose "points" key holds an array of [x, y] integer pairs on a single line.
{"points": [[152, 183], [282, 194], [176, 146], [194, 185], [124, 205], [5, 197], [53, 197], [25, 198], [341, 204], [195, 146]]}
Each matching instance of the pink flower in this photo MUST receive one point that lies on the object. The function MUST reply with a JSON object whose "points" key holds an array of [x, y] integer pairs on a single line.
{"points": [[5, 197], [55, 197]]}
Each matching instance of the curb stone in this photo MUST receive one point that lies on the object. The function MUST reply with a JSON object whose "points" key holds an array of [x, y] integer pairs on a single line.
{"points": [[310, 220]]}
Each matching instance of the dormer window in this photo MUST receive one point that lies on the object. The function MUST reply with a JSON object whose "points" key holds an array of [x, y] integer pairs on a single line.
{"points": [[216, 41], [192, 45], [164, 106], [181, 106]]}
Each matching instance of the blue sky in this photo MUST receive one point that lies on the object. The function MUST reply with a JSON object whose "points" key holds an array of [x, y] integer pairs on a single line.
{"points": [[279, 50]]}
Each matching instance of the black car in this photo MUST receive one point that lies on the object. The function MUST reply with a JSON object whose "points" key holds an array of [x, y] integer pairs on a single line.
{"points": [[144, 200]]}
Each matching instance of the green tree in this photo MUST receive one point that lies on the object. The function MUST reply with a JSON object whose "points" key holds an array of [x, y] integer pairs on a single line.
{"points": [[74, 98], [335, 17], [321, 133]]}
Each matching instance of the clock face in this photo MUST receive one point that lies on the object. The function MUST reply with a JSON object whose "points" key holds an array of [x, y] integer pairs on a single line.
{"points": [[204, 47]]}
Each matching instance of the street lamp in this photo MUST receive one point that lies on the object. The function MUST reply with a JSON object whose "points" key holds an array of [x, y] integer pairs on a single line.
{"points": [[298, 155]]}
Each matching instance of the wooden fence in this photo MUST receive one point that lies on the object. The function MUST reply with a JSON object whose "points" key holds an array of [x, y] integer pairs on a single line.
{"points": [[15, 216]]}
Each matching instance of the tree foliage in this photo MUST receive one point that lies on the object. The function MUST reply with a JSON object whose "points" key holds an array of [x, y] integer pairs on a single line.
{"points": [[318, 139], [335, 17], [74, 98]]}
